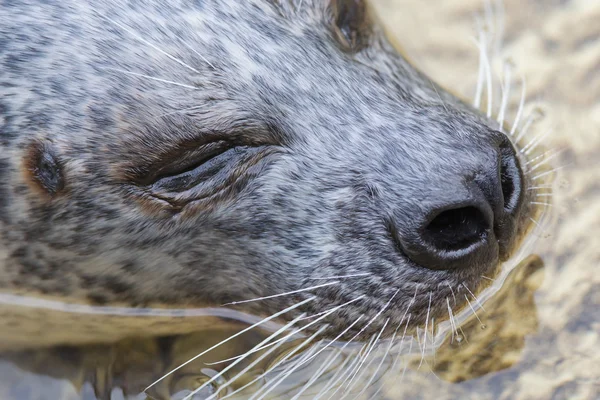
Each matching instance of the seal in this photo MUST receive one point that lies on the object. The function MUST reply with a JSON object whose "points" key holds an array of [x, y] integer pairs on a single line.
{"points": [[280, 157]]}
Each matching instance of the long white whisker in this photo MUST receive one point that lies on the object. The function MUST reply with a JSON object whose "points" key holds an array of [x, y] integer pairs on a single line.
{"points": [[251, 365], [540, 227], [328, 361], [499, 34], [153, 78], [548, 172], [282, 294], [233, 364], [357, 376], [480, 73], [548, 186], [425, 333], [452, 322], [521, 106], [199, 55], [232, 337], [341, 372], [339, 336], [337, 354], [323, 315], [360, 356], [383, 358], [489, 82], [452, 291], [505, 94], [475, 297], [545, 160], [540, 203], [282, 376], [438, 95], [533, 117], [138, 37], [296, 332], [369, 323], [535, 142], [474, 313]]}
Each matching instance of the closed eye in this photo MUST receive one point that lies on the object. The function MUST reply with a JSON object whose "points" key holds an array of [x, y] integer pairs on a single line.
{"points": [[191, 166]]}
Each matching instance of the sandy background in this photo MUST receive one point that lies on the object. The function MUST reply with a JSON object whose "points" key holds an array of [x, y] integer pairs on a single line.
{"points": [[553, 318]]}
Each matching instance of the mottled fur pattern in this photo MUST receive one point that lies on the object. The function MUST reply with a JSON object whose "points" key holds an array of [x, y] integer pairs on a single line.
{"points": [[350, 145]]}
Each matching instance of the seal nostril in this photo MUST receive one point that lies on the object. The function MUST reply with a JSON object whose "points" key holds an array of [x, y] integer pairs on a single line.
{"points": [[456, 229]]}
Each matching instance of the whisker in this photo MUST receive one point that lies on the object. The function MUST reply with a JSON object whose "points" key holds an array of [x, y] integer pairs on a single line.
{"points": [[233, 364], [499, 34], [383, 358], [463, 334], [232, 337], [359, 357], [282, 294], [307, 385], [520, 108], [357, 376], [505, 94], [548, 172], [326, 314], [535, 142], [406, 364], [538, 225], [451, 318], [401, 343], [489, 279], [370, 322], [474, 313], [438, 95], [251, 365], [317, 374], [138, 37], [534, 116], [282, 376], [475, 297], [433, 338], [480, 73], [425, 333], [546, 160], [540, 203], [548, 186], [341, 372], [153, 78], [452, 291], [199, 55], [544, 195], [339, 336], [488, 77]]}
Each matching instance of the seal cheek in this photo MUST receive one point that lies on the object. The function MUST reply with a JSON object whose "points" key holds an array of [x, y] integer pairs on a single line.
{"points": [[43, 170]]}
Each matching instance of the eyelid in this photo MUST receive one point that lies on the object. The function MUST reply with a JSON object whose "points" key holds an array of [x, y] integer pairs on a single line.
{"points": [[189, 160]]}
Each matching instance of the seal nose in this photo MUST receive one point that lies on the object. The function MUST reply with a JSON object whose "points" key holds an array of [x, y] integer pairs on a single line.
{"points": [[474, 227]]}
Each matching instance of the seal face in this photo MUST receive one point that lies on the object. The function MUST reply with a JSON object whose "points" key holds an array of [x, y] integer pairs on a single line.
{"points": [[209, 152]]}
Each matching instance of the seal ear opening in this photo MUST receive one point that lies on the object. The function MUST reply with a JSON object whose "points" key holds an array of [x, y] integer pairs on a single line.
{"points": [[43, 168], [351, 23]]}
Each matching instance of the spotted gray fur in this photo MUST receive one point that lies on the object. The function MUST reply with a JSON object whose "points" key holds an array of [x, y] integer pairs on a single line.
{"points": [[352, 144]]}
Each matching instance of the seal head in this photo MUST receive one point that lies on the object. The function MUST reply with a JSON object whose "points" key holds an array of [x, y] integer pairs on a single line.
{"points": [[206, 152]]}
